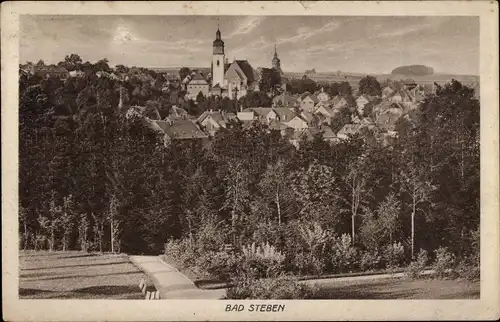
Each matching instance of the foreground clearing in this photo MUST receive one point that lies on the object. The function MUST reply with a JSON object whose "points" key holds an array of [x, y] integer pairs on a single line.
{"points": [[401, 288], [75, 275]]}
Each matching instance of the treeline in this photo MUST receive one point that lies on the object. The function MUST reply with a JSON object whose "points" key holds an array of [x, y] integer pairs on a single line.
{"points": [[96, 180]]}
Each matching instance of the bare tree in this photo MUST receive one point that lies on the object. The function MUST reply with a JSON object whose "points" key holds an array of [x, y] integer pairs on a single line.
{"points": [[418, 188]]}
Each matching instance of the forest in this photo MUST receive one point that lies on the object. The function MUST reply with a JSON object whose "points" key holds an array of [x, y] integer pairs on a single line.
{"points": [[91, 179]]}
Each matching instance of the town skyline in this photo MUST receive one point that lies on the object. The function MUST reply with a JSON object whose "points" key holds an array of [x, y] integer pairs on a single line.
{"points": [[354, 44]]}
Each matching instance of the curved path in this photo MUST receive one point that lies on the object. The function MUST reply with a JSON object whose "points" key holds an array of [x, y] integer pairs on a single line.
{"points": [[171, 283]]}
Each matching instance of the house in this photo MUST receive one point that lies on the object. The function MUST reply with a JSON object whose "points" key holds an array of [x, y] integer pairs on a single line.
{"points": [[285, 100], [177, 112], [323, 96], [401, 96], [196, 85], [362, 101], [284, 114], [327, 112], [308, 102], [51, 71], [340, 104], [76, 73], [178, 129], [276, 125], [212, 121], [246, 116], [263, 114], [328, 135], [387, 91], [350, 129], [296, 136], [297, 123], [388, 106]]}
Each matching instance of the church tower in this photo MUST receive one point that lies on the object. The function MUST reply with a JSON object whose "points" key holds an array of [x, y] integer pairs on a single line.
{"points": [[276, 61], [218, 61]]}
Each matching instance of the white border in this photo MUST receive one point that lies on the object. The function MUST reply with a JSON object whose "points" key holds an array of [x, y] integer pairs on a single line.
{"points": [[126, 310]]}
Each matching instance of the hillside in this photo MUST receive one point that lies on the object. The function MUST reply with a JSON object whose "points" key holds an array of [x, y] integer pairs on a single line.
{"points": [[413, 70]]}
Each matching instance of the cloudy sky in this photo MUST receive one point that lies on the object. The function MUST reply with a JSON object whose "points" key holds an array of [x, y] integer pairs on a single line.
{"points": [[326, 43]]}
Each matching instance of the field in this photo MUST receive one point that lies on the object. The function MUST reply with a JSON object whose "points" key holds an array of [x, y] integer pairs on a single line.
{"points": [[430, 289], [75, 275]]}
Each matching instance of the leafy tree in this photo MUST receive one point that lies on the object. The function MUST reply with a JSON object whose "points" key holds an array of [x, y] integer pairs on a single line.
{"points": [[183, 72], [72, 62], [370, 86], [270, 80], [345, 89], [255, 99]]}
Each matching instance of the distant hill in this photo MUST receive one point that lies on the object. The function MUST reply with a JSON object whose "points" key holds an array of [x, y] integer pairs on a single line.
{"points": [[413, 70]]}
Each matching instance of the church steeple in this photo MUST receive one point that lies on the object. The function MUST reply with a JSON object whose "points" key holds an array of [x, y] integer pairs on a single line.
{"points": [[218, 43], [276, 63], [218, 60]]}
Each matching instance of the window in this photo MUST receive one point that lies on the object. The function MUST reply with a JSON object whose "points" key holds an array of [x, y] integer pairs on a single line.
{"points": [[218, 63]]}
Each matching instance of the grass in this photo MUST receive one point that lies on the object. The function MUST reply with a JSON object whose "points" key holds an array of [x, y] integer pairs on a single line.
{"points": [[401, 288], [75, 275]]}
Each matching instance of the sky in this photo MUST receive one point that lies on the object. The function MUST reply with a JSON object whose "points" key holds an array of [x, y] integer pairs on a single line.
{"points": [[368, 44]]}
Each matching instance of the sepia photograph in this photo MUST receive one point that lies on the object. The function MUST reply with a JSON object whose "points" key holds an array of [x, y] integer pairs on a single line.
{"points": [[249, 157]]}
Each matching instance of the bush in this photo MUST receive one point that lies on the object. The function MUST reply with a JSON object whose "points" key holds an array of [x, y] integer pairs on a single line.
{"points": [[221, 265], [182, 251], [306, 264], [280, 288], [468, 271], [444, 262], [210, 237], [393, 255], [416, 268], [344, 257], [370, 260], [261, 261]]}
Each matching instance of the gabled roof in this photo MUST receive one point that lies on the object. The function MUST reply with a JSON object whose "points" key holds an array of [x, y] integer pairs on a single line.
{"points": [[285, 99], [328, 133], [349, 129], [313, 97], [180, 129], [261, 111], [247, 69], [284, 113], [307, 116], [277, 125], [215, 115], [198, 77]]}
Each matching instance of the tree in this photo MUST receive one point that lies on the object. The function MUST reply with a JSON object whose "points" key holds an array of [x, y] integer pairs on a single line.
{"points": [[315, 190], [236, 194], [67, 221], [274, 188], [102, 65], [114, 225], [357, 193], [83, 228], [415, 184], [270, 79], [72, 62], [200, 98], [370, 86], [255, 99], [183, 72], [345, 89], [388, 212]]}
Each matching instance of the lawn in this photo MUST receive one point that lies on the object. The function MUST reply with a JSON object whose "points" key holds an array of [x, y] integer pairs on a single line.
{"points": [[401, 288], [76, 275]]}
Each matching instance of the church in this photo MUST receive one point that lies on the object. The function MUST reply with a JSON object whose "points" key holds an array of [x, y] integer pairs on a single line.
{"points": [[233, 80]]}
